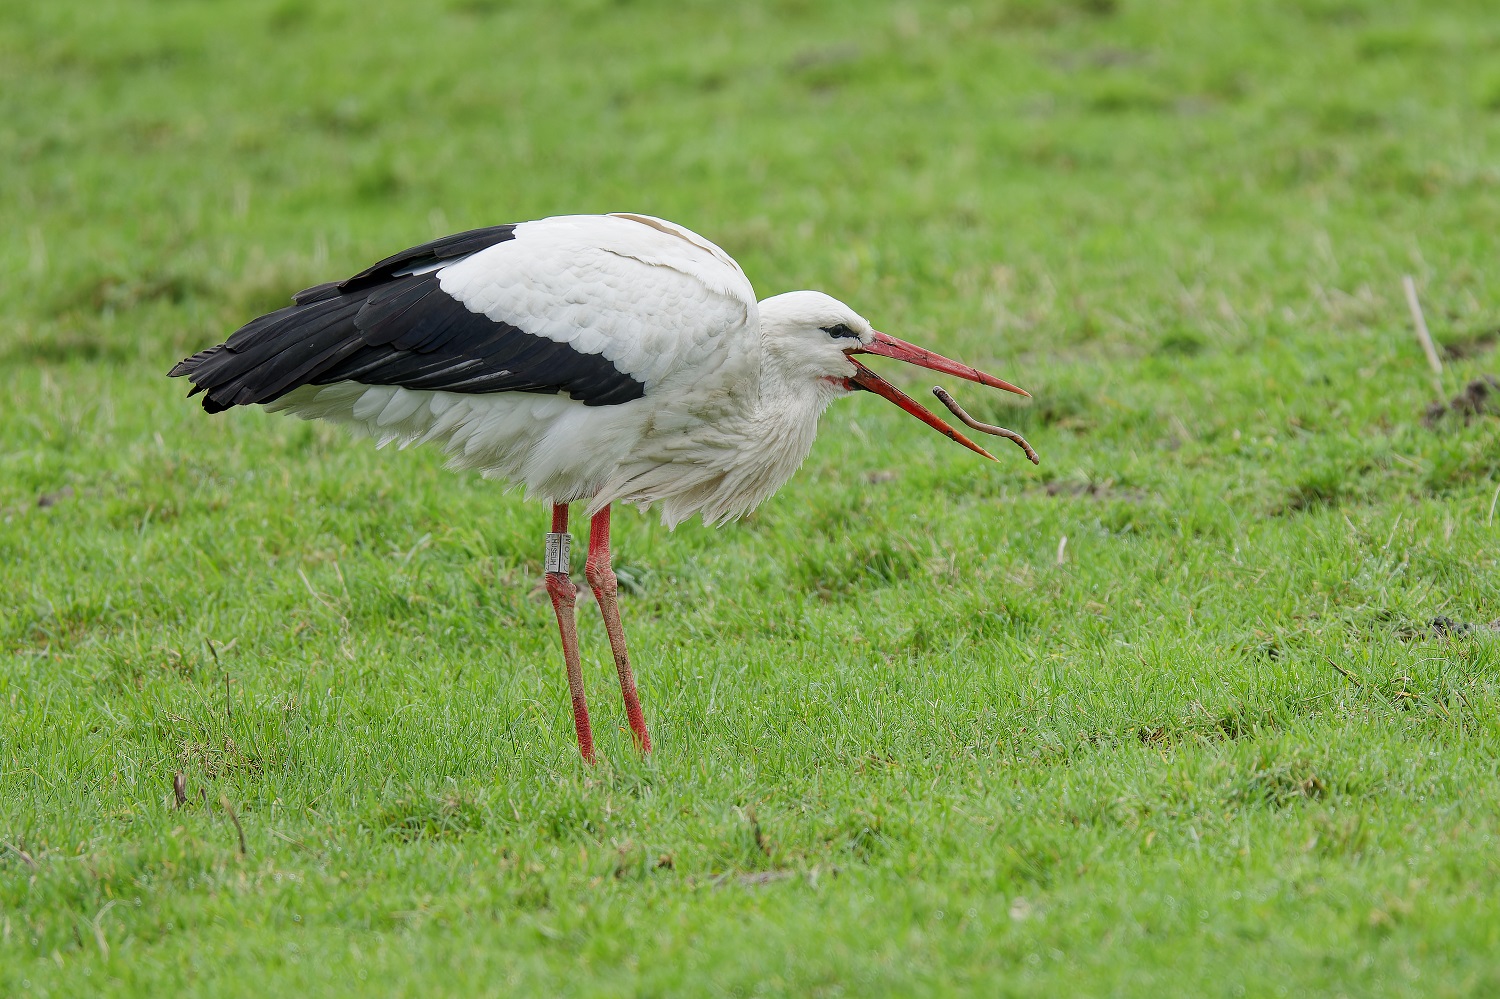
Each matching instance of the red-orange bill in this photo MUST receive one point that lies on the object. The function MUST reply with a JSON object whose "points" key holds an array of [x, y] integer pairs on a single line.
{"points": [[866, 379], [888, 346]]}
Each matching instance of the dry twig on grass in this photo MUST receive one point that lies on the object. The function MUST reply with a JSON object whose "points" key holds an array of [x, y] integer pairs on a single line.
{"points": [[229, 809], [1423, 336]]}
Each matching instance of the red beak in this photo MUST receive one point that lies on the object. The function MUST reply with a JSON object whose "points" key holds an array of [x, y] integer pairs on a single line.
{"points": [[888, 346]]}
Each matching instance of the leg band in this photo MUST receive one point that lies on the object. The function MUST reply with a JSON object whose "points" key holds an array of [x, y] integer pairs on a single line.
{"points": [[559, 548]]}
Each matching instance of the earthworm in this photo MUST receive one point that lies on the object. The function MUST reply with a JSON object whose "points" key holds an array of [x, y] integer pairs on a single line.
{"points": [[985, 428]]}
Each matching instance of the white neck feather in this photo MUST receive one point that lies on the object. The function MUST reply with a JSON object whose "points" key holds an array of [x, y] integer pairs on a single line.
{"points": [[727, 468]]}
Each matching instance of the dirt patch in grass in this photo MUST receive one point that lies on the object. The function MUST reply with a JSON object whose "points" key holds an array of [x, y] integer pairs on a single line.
{"points": [[1478, 398], [1473, 345], [1447, 627], [53, 498]]}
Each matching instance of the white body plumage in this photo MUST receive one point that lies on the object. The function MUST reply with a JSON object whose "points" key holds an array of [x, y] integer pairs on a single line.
{"points": [[730, 405]]}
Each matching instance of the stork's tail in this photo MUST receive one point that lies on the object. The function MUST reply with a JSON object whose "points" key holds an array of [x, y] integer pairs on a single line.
{"points": [[270, 356], [317, 339]]}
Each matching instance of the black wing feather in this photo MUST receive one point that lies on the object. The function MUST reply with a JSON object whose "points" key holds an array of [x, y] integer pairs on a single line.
{"points": [[389, 326], [460, 244]]}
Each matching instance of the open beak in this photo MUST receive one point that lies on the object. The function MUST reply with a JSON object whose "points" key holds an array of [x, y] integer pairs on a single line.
{"points": [[888, 346]]}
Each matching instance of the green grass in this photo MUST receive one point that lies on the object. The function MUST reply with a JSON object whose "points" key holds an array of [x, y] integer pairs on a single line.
{"points": [[1218, 749]]}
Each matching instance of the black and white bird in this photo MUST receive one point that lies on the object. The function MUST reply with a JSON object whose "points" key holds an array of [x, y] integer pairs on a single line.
{"points": [[591, 358]]}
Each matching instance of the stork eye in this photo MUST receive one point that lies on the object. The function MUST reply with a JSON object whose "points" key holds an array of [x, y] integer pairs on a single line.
{"points": [[842, 329]]}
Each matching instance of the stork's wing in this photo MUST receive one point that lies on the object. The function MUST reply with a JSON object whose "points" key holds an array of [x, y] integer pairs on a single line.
{"points": [[599, 307]]}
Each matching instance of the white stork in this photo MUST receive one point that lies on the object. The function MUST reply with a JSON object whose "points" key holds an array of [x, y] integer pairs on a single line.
{"points": [[590, 358]]}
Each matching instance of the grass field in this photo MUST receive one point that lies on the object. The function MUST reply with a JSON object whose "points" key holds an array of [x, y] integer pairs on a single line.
{"points": [[909, 742]]}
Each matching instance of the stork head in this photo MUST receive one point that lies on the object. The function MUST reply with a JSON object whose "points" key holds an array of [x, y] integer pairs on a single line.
{"points": [[814, 337]]}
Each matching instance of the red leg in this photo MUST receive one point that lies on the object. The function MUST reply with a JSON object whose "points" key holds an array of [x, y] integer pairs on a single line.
{"points": [[564, 595], [600, 573]]}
